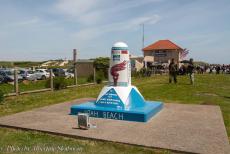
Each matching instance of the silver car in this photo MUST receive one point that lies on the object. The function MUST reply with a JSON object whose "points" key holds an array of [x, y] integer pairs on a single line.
{"points": [[28, 75], [42, 74]]}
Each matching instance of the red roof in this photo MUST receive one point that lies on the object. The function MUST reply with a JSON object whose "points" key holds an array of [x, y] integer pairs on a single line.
{"points": [[162, 44]]}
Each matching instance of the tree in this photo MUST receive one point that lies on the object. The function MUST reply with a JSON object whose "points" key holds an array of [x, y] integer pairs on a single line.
{"points": [[102, 64]]}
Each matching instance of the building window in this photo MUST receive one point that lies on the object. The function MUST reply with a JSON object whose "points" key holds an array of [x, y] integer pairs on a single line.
{"points": [[160, 53]]}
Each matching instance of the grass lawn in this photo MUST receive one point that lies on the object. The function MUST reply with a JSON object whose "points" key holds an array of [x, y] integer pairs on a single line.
{"points": [[35, 85], [208, 90]]}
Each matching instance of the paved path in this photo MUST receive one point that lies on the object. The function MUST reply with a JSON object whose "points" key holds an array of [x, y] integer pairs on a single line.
{"points": [[188, 128]]}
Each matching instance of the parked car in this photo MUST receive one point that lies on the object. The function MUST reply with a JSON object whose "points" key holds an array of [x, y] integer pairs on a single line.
{"points": [[42, 74], [8, 75], [28, 75], [68, 74], [2, 79], [59, 72]]}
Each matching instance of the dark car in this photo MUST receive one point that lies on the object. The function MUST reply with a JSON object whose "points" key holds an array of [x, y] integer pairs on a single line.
{"points": [[59, 72], [2, 79], [8, 75], [5, 78]]}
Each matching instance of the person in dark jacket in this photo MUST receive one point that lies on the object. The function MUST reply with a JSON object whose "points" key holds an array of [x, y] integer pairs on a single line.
{"points": [[191, 69], [173, 71]]}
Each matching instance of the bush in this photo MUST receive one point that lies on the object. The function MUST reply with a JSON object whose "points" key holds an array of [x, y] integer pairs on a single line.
{"points": [[145, 72], [1, 96], [102, 64], [90, 78], [99, 76], [58, 83], [135, 74]]}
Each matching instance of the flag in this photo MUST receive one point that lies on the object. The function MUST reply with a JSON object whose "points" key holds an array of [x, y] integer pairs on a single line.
{"points": [[184, 53]]}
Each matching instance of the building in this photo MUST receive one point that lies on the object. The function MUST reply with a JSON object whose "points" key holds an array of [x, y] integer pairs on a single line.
{"points": [[162, 51], [136, 63], [85, 67], [55, 63]]}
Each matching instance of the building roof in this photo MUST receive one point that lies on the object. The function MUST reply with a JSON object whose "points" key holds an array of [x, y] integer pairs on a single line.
{"points": [[162, 44], [84, 61]]}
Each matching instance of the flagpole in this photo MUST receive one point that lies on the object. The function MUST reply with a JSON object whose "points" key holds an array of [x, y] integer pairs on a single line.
{"points": [[143, 35]]}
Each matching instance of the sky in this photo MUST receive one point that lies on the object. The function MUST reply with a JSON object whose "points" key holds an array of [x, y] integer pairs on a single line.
{"points": [[35, 30]]}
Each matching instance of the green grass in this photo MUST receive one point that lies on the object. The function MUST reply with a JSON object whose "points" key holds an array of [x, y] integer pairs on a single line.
{"points": [[208, 90], [35, 85], [36, 142]]}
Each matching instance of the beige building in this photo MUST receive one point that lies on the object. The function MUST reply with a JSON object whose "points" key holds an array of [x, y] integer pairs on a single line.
{"points": [[162, 51], [136, 63]]}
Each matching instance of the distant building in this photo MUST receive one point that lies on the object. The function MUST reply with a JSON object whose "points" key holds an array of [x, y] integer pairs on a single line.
{"points": [[162, 51], [136, 63], [63, 63], [55, 63], [84, 67]]}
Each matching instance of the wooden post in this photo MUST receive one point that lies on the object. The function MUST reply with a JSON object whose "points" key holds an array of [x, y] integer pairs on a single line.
{"points": [[51, 80], [16, 90], [94, 75], [75, 65]]}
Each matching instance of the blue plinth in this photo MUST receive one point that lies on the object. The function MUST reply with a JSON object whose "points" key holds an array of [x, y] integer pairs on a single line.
{"points": [[139, 114]]}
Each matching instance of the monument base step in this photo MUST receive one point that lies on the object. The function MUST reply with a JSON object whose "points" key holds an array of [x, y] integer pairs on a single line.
{"points": [[138, 114]]}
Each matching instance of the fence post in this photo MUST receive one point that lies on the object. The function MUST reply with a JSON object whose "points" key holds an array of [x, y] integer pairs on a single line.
{"points": [[51, 80], [16, 90], [75, 65], [94, 75]]}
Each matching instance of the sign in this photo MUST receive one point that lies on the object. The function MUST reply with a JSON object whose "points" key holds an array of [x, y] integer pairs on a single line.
{"points": [[110, 99]]}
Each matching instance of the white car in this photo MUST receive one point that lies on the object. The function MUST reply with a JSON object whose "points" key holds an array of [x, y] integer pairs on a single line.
{"points": [[28, 75], [42, 74], [68, 74]]}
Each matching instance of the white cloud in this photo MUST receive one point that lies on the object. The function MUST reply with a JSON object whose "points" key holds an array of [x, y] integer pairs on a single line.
{"points": [[25, 22], [95, 11], [75, 7], [128, 25]]}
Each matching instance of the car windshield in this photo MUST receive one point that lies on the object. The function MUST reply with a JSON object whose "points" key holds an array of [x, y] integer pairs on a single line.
{"points": [[9, 72], [30, 72], [21, 72], [39, 71]]}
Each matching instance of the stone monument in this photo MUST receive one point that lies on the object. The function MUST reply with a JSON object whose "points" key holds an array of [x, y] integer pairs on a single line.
{"points": [[119, 100]]}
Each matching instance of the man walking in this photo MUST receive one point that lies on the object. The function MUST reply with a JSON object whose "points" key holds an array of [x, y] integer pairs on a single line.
{"points": [[191, 71], [173, 71]]}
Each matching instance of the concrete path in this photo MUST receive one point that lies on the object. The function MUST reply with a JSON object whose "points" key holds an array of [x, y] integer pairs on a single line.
{"points": [[187, 128]]}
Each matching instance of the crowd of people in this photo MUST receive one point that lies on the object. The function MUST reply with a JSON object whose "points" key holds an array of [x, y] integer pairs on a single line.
{"points": [[189, 68], [214, 68]]}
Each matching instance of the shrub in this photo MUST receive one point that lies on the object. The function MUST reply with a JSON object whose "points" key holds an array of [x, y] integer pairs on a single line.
{"points": [[135, 74], [90, 78], [1, 96], [99, 76], [102, 64], [145, 72], [58, 83]]}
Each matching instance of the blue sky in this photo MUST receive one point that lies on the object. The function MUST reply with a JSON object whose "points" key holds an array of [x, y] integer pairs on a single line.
{"points": [[50, 29]]}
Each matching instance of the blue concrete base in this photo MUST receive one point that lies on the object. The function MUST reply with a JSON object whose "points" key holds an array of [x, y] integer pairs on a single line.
{"points": [[139, 114]]}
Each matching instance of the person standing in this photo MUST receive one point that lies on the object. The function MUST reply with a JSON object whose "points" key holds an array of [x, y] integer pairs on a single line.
{"points": [[217, 69], [173, 71], [191, 69]]}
